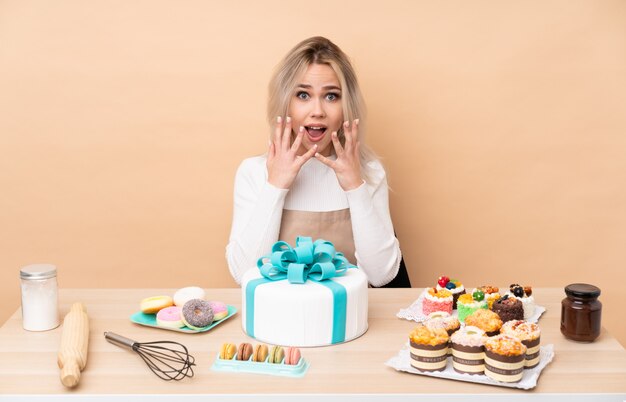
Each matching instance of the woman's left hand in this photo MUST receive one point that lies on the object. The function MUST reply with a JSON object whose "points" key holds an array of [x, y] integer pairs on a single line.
{"points": [[347, 166]]}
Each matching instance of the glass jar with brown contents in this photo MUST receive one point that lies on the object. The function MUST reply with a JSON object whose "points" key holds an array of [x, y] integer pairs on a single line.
{"points": [[581, 312]]}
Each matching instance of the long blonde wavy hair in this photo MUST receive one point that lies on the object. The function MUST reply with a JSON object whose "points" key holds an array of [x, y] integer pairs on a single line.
{"points": [[319, 50]]}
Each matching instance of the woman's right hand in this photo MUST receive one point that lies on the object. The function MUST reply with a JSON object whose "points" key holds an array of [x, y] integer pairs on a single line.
{"points": [[283, 162]]}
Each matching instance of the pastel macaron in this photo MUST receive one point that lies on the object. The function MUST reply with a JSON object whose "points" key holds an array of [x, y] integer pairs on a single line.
{"points": [[276, 355], [151, 305], [292, 356], [260, 353], [244, 352], [227, 352], [170, 317], [220, 310], [183, 295]]}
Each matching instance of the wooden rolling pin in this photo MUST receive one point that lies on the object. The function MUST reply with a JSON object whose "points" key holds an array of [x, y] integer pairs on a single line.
{"points": [[72, 356]]}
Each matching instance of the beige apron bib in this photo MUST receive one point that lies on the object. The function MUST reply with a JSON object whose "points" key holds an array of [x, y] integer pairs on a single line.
{"points": [[334, 226]]}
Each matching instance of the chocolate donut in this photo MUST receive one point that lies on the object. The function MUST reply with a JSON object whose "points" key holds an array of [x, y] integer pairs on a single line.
{"points": [[197, 313]]}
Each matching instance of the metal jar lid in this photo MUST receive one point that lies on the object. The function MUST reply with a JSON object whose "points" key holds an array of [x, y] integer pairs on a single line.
{"points": [[38, 271], [582, 290]]}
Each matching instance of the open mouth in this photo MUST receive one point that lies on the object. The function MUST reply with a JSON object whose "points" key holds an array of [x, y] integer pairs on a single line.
{"points": [[315, 133]]}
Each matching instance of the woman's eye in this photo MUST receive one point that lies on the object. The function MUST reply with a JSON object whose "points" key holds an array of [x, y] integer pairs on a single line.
{"points": [[332, 96], [302, 95]]}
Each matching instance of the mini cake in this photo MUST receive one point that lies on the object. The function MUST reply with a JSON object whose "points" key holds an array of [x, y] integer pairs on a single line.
{"points": [[525, 295], [508, 308], [441, 319], [468, 350], [529, 334], [468, 303], [455, 287], [504, 358], [491, 294], [486, 320], [436, 300], [429, 348]]}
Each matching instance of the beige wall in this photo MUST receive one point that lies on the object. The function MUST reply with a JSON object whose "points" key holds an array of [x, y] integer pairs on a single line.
{"points": [[501, 124]]}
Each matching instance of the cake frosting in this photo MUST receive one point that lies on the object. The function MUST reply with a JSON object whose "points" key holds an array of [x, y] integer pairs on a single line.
{"points": [[453, 286], [436, 300], [301, 314], [468, 303]]}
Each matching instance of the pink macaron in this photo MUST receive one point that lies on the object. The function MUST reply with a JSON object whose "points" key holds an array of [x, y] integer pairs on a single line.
{"points": [[170, 317], [220, 310], [292, 356]]}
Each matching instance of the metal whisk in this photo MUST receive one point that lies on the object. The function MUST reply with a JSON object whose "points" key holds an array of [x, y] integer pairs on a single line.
{"points": [[168, 363]]}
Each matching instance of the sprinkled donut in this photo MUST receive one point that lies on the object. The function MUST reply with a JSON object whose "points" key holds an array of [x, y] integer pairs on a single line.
{"points": [[197, 313]]}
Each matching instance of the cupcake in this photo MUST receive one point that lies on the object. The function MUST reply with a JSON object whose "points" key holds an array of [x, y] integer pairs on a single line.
{"points": [[441, 319], [468, 303], [529, 334], [504, 358], [455, 287], [525, 295], [508, 308], [468, 350], [491, 294], [486, 320], [429, 348], [436, 300]]}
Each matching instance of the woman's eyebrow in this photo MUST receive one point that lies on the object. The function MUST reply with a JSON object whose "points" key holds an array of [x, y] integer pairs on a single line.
{"points": [[331, 86]]}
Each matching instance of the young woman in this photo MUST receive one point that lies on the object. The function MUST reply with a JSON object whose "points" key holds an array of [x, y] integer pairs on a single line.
{"points": [[318, 178]]}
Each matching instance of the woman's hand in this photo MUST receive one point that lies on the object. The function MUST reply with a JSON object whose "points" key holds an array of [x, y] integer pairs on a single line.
{"points": [[283, 164], [347, 166]]}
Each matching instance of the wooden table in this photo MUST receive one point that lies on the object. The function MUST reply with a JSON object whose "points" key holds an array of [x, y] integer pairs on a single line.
{"points": [[350, 371]]}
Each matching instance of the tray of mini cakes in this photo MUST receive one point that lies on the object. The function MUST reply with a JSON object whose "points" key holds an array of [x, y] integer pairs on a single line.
{"points": [[186, 311], [481, 337]]}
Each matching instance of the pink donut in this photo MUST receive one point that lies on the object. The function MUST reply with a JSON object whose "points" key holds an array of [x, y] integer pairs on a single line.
{"points": [[170, 317], [220, 310]]}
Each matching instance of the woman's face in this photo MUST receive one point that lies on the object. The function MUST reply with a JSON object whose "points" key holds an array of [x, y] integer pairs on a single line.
{"points": [[316, 105]]}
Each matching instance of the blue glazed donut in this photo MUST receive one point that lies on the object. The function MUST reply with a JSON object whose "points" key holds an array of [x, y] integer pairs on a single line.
{"points": [[197, 313]]}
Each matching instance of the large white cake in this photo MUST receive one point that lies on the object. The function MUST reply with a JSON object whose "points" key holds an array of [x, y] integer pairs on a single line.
{"points": [[303, 314]]}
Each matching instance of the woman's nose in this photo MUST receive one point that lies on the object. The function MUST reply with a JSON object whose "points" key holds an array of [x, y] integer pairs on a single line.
{"points": [[318, 108]]}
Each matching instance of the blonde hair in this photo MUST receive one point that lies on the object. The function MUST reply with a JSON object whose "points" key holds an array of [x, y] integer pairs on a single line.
{"points": [[319, 50]]}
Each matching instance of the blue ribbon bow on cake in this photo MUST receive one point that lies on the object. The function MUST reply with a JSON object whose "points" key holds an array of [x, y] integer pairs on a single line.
{"points": [[316, 261]]}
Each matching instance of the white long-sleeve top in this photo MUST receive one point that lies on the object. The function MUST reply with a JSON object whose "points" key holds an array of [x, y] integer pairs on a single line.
{"points": [[258, 208]]}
